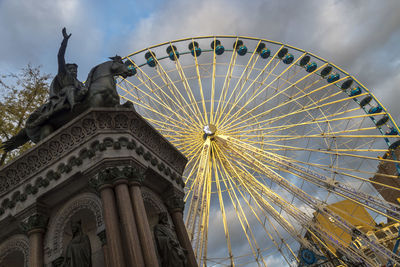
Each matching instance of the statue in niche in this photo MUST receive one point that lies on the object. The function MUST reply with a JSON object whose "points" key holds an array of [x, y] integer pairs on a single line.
{"points": [[169, 249], [79, 252]]}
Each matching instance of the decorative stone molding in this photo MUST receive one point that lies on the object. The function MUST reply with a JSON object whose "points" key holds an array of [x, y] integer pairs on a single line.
{"points": [[81, 129], [15, 243], [103, 238], [58, 222], [86, 153], [34, 222]]}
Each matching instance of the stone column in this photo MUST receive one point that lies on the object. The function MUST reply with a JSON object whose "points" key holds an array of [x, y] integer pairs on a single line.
{"points": [[112, 226], [35, 227], [103, 183], [103, 240], [135, 257], [175, 206], [146, 240]]}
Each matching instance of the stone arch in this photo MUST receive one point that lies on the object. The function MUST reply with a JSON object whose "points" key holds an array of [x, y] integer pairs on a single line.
{"points": [[154, 205], [54, 238], [18, 243]]}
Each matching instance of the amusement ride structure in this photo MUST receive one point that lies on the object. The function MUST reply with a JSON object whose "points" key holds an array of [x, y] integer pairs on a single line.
{"points": [[273, 135]]}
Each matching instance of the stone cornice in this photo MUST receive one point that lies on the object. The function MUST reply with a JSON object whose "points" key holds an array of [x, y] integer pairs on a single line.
{"points": [[79, 131]]}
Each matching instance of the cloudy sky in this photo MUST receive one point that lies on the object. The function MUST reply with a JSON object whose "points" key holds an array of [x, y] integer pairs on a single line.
{"points": [[361, 36]]}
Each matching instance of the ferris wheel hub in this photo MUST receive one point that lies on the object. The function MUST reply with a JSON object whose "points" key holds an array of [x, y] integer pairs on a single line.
{"points": [[209, 130]]}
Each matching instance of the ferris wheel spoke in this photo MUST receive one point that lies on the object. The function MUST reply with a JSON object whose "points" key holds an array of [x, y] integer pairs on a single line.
{"points": [[262, 224], [222, 208], [257, 195], [275, 119], [159, 113], [375, 204], [203, 102], [225, 87], [200, 182], [236, 116], [189, 92], [314, 203], [237, 206], [274, 80], [301, 110], [175, 92], [241, 81]]}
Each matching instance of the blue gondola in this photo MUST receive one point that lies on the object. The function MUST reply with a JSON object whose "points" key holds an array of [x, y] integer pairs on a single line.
{"points": [[131, 66], [265, 53], [347, 84], [355, 91], [288, 59], [219, 49], [151, 58], [310, 67], [241, 49], [304, 60], [374, 110], [173, 54], [194, 48], [333, 78]]}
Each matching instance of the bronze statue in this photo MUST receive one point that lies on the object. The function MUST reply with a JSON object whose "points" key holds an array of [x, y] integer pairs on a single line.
{"points": [[171, 253], [69, 97], [79, 252], [65, 87]]}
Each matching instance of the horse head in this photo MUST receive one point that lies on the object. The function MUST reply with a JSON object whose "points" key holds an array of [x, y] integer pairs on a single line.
{"points": [[120, 68]]}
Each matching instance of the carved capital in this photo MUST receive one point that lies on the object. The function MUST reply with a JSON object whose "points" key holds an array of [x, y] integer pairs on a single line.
{"points": [[103, 238], [134, 175], [175, 201], [35, 222], [107, 177]]}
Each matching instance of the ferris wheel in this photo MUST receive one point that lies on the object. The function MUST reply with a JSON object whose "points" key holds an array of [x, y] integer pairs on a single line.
{"points": [[273, 134]]}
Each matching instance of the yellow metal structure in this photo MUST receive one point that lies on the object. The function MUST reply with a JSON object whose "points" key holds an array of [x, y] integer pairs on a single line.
{"points": [[270, 139]]}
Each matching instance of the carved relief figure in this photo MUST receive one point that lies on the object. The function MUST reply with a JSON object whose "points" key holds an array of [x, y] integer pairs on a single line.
{"points": [[79, 252], [171, 253]]}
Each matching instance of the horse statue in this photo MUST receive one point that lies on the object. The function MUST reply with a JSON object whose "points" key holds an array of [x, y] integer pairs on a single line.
{"points": [[101, 92]]}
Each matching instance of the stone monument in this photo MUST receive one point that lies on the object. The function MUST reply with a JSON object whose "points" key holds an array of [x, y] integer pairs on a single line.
{"points": [[94, 186]]}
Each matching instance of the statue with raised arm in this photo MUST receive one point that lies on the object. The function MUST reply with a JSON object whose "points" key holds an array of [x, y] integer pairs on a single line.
{"points": [[69, 97], [65, 89]]}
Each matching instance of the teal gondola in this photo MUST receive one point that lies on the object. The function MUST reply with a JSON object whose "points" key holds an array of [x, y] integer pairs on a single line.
{"points": [[219, 49], [173, 54], [374, 110], [333, 78], [194, 48], [241, 49], [151, 59], [310, 67], [131, 66], [355, 91]]}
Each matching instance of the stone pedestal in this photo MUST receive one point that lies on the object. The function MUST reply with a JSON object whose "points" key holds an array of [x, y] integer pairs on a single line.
{"points": [[108, 168]]}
